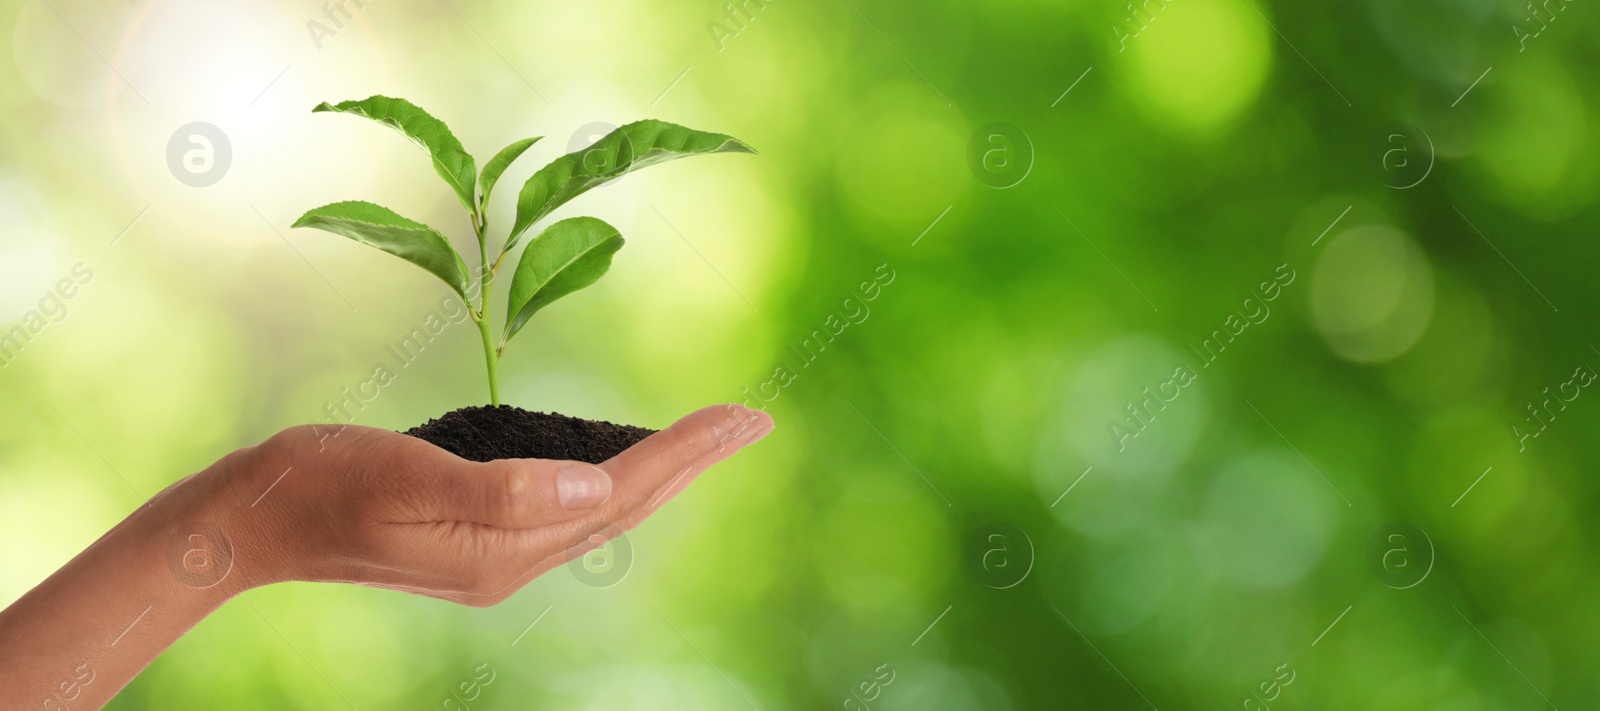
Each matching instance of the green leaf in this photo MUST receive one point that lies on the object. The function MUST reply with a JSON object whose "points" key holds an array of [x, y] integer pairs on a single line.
{"points": [[569, 255], [450, 160], [631, 147], [497, 166], [380, 227]]}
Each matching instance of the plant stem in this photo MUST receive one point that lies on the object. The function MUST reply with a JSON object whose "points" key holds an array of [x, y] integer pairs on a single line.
{"points": [[491, 358]]}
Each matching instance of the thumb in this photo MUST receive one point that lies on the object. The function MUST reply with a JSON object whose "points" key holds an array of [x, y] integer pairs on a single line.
{"points": [[582, 486], [522, 493], [650, 473]]}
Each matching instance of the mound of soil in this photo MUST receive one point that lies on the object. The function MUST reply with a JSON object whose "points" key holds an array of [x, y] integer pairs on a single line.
{"points": [[486, 433]]}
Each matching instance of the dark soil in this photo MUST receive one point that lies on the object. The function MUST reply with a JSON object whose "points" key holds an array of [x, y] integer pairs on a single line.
{"points": [[486, 433]]}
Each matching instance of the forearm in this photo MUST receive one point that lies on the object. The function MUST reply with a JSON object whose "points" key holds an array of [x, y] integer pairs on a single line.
{"points": [[79, 637]]}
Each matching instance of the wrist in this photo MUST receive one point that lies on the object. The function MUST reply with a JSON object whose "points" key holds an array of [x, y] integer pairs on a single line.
{"points": [[85, 631], [189, 543], [213, 542]]}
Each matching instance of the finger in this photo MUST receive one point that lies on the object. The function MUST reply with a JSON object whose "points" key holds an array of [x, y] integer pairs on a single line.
{"points": [[701, 439], [651, 472], [641, 479], [592, 536], [518, 493]]}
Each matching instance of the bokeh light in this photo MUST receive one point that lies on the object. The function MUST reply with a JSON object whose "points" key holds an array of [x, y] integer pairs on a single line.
{"points": [[1233, 292]]}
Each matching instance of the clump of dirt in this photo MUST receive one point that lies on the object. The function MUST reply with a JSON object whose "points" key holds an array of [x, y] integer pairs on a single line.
{"points": [[487, 433]]}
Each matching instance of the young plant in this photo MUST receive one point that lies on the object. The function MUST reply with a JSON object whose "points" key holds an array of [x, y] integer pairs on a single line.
{"points": [[565, 257]]}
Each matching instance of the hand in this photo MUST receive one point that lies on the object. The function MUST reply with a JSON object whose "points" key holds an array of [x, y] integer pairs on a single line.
{"points": [[345, 504], [373, 507]]}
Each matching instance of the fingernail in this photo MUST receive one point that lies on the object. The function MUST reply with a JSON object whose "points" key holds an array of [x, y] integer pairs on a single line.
{"points": [[757, 430], [582, 487]]}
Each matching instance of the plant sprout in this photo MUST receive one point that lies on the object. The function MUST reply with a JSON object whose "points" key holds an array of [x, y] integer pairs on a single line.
{"points": [[565, 257]]}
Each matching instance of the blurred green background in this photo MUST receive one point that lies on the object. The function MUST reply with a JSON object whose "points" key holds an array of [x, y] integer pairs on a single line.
{"points": [[1024, 481]]}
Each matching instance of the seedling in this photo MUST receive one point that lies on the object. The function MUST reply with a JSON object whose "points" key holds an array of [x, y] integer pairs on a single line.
{"points": [[567, 256]]}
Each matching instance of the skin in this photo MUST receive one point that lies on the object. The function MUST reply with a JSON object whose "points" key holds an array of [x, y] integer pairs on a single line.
{"points": [[342, 504]]}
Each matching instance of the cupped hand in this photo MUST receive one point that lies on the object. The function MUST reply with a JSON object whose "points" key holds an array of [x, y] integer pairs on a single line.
{"points": [[373, 507]]}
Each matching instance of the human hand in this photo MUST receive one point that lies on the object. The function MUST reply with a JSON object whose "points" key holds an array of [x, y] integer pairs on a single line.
{"points": [[377, 508], [346, 504]]}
